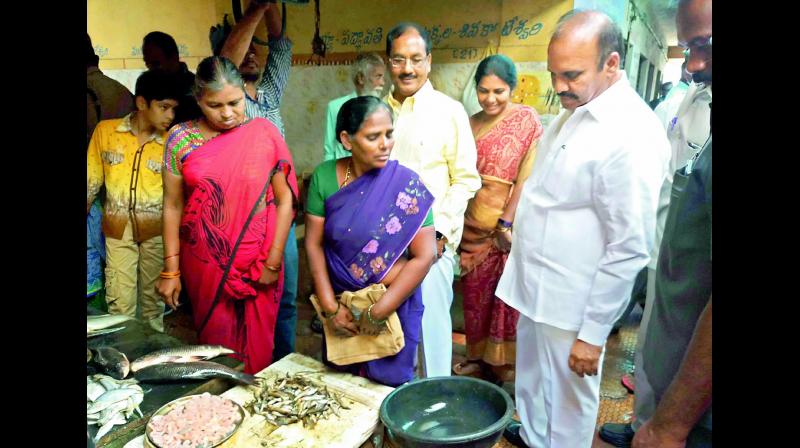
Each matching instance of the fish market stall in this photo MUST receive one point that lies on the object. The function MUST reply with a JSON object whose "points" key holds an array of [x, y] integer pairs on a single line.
{"points": [[299, 402], [135, 339]]}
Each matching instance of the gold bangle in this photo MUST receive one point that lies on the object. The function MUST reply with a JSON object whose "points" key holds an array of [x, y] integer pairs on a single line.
{"points": [[502, 229], [273, 268], [373, 321], [175, 274]]}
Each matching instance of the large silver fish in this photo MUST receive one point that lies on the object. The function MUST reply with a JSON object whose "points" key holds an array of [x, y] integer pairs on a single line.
{"points": [[94, 323], [186, 353], [198, 370], [112, 361]]}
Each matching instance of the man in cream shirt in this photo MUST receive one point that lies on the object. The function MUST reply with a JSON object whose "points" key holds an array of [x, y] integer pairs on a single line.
{"points": [[433, 138], [584, 228]]}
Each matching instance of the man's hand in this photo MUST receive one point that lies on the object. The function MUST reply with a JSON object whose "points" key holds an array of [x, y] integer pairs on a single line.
{"points": [[652, 436], [169, 289], [584, 358]]}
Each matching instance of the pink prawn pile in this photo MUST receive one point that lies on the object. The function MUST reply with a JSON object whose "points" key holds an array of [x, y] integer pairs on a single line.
{"points": [[200, 422]]}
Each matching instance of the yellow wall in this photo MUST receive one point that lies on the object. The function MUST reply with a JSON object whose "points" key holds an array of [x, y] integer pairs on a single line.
{"points": [[359, 25], [118, 26]]}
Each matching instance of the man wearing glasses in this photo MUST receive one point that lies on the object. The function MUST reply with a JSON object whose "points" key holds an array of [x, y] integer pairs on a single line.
{"points": [[433, 137], [677, 298]]}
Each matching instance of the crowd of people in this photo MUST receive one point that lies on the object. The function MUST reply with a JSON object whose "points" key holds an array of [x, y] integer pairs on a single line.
{"points": [[192, 196]]}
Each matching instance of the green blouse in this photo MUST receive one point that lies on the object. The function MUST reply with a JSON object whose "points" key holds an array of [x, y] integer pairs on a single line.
{"points": [[324, 184]]}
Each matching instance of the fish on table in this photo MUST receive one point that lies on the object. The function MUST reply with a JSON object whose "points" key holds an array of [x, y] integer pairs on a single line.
{"points": [[182, 354], [196, 370], [111, 361], [103, 321], [111, 402]]}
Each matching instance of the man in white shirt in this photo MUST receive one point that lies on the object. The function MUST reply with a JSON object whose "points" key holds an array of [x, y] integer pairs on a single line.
{"points": [[432, 137], [584, 228]]}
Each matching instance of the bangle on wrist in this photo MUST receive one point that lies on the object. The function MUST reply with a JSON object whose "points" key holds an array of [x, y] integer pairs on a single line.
{"points": [[175, 274], [273, 268], [171, 256], [373, 321], [503, 223], [327, 315]]}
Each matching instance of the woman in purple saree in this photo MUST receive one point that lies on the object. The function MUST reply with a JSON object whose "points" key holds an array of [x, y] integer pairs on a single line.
{"points": [[368, 221]]}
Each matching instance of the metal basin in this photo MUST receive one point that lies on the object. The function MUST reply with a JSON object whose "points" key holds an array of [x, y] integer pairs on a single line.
{"points": [[453, 411]]}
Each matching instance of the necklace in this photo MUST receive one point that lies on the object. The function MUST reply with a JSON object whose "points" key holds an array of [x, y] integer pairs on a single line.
{"points": [[347, 174]]}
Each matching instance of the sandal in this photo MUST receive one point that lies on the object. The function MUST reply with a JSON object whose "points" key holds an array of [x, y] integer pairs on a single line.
{"points": [[467, 368]]}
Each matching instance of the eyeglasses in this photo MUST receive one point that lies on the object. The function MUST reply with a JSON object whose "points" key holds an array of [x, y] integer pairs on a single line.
{"points": [[699, 44], [401, 62]]}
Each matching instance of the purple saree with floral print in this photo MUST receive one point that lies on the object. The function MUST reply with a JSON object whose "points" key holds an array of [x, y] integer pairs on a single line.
{"points": [[369, 224]]}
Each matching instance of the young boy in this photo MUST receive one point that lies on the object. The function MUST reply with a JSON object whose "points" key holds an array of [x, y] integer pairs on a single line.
{"points": [[125, 156]]}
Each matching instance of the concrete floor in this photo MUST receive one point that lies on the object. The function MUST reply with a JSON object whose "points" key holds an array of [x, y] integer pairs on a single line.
{"points": [[616, 404]]}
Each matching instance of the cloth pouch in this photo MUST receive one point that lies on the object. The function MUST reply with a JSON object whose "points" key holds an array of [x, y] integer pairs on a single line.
{"points": [[345, 350]]}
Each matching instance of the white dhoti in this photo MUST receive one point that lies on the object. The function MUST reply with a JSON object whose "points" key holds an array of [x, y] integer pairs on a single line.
{"points": [[557, 408], [437, 326]]}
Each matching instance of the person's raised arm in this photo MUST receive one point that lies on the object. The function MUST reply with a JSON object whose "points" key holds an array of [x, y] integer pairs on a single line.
{"points": [[273, 21], [237, 43]]}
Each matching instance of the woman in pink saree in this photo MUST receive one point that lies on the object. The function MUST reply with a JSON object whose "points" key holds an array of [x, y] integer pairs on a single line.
{"points": [[505, 137], [229, 197]]}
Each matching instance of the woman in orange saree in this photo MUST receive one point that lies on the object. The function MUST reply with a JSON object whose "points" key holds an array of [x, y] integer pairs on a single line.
{"points": [[505, 137]]}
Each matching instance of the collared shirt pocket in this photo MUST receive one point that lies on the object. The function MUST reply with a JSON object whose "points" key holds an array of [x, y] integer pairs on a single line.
{"points": [[112, 157], [557, 179], [679, 181], [154, 165]]}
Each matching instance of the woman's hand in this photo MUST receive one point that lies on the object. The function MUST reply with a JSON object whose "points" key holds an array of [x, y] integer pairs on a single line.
{"points": [[169, 289], [343, 323], [365, 325], [502, 240], [268, 276]]}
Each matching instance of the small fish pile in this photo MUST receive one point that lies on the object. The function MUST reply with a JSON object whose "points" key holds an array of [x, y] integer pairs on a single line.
{"points": [[295, 398], [111, 402], [201, 421]]}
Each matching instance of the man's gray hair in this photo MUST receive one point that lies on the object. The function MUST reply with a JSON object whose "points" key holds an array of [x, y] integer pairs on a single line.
{"points": [[363, 64], [609, 37]]}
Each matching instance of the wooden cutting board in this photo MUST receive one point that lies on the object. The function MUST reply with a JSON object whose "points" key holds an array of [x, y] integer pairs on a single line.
{"points": [[349, 430]]}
